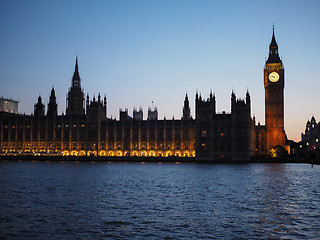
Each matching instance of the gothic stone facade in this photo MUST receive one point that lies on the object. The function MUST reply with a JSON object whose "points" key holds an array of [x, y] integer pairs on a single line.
{"points": [[211, 136], [85, 130]]}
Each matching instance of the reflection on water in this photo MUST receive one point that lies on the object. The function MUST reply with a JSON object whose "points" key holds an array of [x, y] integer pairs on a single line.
{"points": [[151, 201], [271, 211], [281, 201]]}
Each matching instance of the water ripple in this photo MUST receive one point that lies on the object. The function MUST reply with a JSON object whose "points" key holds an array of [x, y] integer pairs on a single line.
{"points": [[159, 201]]}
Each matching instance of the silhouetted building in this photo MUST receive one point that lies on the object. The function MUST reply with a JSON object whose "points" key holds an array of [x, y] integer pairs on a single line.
{"points": [[311, 136], [186, 109], [75, 99], [225, 135], [152, 114], [137, 115], [86, 130], [8, 105], [52, 105], [39, 108]]}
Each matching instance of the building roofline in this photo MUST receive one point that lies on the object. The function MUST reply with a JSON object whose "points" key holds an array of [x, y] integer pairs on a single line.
{"points": [[9, 99]]}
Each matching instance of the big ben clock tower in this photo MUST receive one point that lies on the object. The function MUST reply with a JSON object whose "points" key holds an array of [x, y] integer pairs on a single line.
{"points": [[274, 100]]}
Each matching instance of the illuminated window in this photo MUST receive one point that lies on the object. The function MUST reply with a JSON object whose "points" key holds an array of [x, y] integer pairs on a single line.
{"points": [[203, 133]]}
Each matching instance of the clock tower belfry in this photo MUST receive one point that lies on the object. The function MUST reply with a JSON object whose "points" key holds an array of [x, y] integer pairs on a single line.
{"points": [[274, 99]]}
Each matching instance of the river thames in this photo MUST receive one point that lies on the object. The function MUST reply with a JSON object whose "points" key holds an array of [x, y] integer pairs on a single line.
{"points": [[69, 200]]}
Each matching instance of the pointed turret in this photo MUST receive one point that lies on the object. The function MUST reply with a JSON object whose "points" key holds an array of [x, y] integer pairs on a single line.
{"points": [[76, 77], [186, 101], [233, 100], [52, 105], [186, 109], [75, 99], [273, 50], [248, 97], [273, 44], [39, 107], [233, 95], [248, 102]]}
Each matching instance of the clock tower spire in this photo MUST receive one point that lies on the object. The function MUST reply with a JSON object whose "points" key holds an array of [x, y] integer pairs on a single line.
{"points": [[274, 97], [273, 50]]}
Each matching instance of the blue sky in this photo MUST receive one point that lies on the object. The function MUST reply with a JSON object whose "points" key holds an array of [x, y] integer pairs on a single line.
{"points": [[137, 52]]}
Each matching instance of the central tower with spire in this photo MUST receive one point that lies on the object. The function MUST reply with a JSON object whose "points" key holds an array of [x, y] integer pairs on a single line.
{"points": [[75, 98], [274, 100]]}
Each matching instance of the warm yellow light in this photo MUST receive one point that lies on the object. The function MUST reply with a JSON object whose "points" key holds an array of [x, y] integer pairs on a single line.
{"points": [[273, 152]]}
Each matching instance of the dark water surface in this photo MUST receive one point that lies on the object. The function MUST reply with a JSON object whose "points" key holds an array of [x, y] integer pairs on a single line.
{"points": [[52, 200]]}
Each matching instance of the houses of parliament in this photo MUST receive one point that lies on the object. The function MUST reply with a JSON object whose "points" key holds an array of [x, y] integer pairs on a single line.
{"points": [[85, 130]]}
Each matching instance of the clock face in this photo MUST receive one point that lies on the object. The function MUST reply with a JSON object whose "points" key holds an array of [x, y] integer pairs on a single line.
{"points": [[274, 77]]}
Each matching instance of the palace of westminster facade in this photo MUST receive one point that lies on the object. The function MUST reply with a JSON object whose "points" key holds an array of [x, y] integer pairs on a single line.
{"points": [[85, 129]]}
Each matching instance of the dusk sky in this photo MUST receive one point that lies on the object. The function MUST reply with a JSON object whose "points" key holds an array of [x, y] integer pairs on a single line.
{"points": [[139, 52]]}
